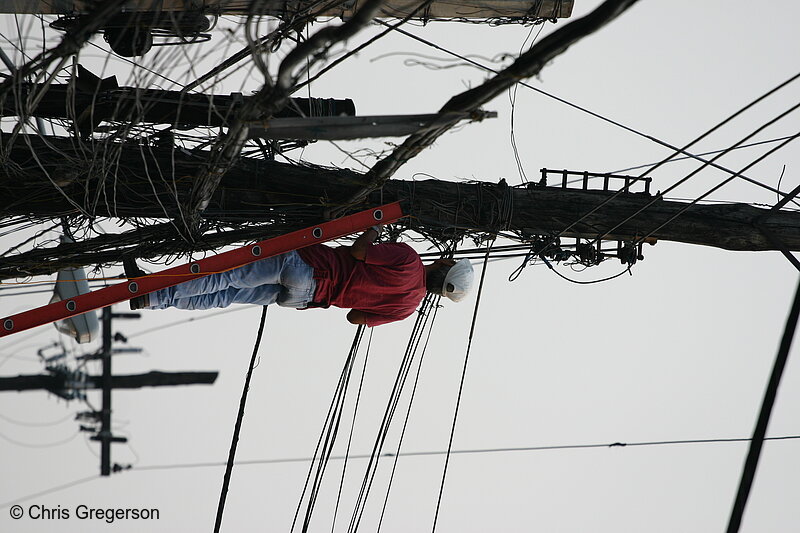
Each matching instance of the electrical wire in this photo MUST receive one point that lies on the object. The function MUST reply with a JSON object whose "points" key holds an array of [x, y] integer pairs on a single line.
{"points": [[460, 390], [685, 157], [754, 451], [36, 424], [51, 490], [734, 175], [471, 451], [614, 122], [408, 412], [713, 189], [238, 426], [512, 96], [352, 429], [423, 315], [327, 438], [39, 445], [706, 163], [185, 321], [360, 47]]}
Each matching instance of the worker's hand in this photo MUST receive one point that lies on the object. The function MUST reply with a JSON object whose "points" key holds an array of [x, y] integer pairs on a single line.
{"points": [[355, 316], [444, 262], [359, 248]]}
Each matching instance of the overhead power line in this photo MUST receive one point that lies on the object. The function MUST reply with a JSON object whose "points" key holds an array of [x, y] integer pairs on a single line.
{"points": [[751, 463], [186, 321], [51, 490], [665, 144], [37, 424], [472, 451], [37, 444], [685, 157], [238, 425]]}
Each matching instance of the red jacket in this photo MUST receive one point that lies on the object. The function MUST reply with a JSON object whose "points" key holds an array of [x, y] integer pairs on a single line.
{"points": [[387, 286]]}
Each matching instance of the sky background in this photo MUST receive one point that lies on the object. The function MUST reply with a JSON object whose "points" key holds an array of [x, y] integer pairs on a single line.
{"points": [[680, 349]]}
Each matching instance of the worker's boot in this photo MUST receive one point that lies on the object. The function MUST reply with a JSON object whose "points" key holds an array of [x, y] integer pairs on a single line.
{"points": [[132, 271]]}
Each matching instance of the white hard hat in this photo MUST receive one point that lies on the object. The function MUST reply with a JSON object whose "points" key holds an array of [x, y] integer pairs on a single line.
{"points": [[459, 278]]}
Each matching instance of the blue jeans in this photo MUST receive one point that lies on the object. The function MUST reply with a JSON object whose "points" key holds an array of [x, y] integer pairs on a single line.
{"points": [[284, 279]]}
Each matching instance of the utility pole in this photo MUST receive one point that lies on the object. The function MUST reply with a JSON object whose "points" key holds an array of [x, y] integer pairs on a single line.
{"points": [[72, 383], [105, 436], [439, 9], [279, 189]]}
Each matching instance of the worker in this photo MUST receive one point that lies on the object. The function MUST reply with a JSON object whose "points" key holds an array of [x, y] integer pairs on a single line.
{"points": [[379, 283]]}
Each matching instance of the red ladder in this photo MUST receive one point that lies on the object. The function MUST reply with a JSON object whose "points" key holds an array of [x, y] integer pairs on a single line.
{"points": [[197, 269]]}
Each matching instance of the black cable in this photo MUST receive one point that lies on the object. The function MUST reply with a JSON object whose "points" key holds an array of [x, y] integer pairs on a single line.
{"points": [[660, 195], [48, 491], [39, 445], [460, 390], [588, 282], [749, 471], [37, 424], [327, 438], [238, 426], [733, 175], [512, 97], [474, 451], [363, 45], [715, 188], [614, 122], [683, 158], [394, 397], [352, 429], [135, 64], [185, 321], [408, 412]]}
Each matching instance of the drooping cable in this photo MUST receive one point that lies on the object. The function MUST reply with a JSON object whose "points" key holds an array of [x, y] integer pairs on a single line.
{"points": [[363, 45], [394, 398], [372, 464], [327, 437], [238, 426], [352, 429], [476, 451], [460, 389], [512, 100], [754, 451], [408, 412]]}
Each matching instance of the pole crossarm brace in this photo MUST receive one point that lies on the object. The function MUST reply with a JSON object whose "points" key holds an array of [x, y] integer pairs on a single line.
{"points": [[244, 255], [528, 64], [344, 128], [154, 378]]}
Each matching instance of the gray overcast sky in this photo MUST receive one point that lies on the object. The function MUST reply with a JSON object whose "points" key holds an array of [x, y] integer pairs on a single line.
{"points": [[679, 350]]}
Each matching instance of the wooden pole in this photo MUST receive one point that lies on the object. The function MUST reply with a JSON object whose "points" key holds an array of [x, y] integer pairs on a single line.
{"points": [[463, 9], [52, 382]]}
